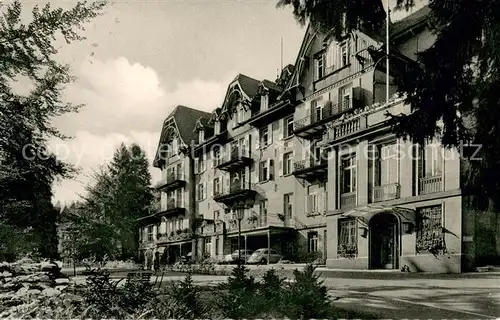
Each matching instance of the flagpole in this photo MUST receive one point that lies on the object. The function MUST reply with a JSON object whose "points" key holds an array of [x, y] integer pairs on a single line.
{"points": [[387, 53]]}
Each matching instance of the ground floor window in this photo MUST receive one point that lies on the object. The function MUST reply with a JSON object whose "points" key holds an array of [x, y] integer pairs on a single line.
{"points": [[430, 236], [312, 239], [216, 246], [347, 242]]}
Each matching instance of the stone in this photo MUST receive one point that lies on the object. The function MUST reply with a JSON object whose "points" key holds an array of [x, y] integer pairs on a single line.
{"points": [[61, 288], [62, 281], [34, 292], [50, 292], [50, 267], [6, 274], [23, 291]]}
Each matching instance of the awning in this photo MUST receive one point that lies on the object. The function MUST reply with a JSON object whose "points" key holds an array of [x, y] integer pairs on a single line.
{"points": [[367, 212]]}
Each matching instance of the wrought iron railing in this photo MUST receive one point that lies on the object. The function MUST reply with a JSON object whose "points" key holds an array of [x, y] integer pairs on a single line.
{"points": [[318, 114], [348, 200], [347, 128], [173, 203], [308, 163], [386, 192], [431, 184]]}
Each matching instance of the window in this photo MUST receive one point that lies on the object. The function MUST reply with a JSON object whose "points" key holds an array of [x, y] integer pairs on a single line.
{"points": [[344, 53], [216, 215], [345, 97], [216, 155], [264, 137], [216, 186], [287, 163], [349, 174], [241, 115], [433, 160], [287, 204], [312, 239], [217, 127], [430, 237], [330, 56], [388, 164], [179, 171], [201, 136], [320, 66], [288, 127], [216, 246], [348, 243], [175, 147], [266, 170], [150, 233], [201, 192], [264, 102], [317, 109], [201, 164], [262, 210]]}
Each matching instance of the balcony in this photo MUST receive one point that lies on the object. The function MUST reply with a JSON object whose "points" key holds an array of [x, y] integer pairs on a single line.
{"points": [[237, 194], [173, 208], [314, 125], [239, 157], [431, 184], [346, 129], [348, 200], [275, 112], [206, 145], [175, 235], [386, 192], [174, 180], [316, 204], [311, 169], [256, 221], [148, 220]]}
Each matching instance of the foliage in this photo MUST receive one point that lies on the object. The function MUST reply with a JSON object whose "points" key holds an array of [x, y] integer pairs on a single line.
{"points": [[451, 87], [306, 297], [100, 296], [27, 168], [137, 292], [238, 297]]}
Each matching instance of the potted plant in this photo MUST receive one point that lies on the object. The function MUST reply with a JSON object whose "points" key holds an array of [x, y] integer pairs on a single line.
{"points": [[178, 231], [281, 216], [347, 250], [253, 219]]}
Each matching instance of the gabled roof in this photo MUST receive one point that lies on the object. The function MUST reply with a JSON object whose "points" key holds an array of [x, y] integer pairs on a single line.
{"points": [[271, 85], [185, 120], [410, 21], [247, 84]]}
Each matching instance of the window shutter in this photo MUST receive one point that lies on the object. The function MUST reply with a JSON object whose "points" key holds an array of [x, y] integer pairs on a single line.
{"points": [[281, 164], [228, 184], [271, 169], [420, 164], [257, 140], [270, 134], [315, 69], [196, 160], [204, 163], [281, 128], [308, 203], [212, 189], [204, 190]]}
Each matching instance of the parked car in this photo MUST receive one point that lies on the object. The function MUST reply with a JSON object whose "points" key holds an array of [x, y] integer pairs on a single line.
{"points": [[261, 256], [245, 254]]}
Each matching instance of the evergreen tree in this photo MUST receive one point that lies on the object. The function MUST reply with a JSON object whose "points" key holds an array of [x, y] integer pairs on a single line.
{"points": [[27, 169], [451, 87]]}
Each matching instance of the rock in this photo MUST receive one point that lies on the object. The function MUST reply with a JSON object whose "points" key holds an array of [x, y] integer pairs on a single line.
{"points": [[50, 267], [50, 292], [62, 281], [22, 292], [34, 292], [6, 274], [61, 288]]}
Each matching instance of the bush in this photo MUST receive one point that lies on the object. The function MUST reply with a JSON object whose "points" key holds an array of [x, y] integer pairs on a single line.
{"points": [[306, 297], [100, 296], [239, 298], [137, 292]]}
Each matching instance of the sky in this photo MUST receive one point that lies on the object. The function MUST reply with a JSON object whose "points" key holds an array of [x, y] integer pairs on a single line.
{"points": [[142, 58]]}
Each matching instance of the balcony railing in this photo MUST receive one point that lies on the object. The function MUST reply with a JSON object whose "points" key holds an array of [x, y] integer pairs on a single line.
{"points": [[431, 184], [256, 221], [325, 113], [237, 158], [386, 192], [347, 128], [236, 191], [174, 203], [310, 169], [316, 204], [175, 235], [348, 200], [173, 181]]}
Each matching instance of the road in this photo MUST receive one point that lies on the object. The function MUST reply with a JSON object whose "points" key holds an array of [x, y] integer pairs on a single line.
{"points": [[467, 297]]}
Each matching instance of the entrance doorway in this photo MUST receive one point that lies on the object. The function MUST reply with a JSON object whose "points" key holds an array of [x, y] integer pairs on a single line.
{"points": [[384, 242]]}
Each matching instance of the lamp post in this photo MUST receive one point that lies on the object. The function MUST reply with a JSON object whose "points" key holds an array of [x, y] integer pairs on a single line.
{"points": [[239, 217]]}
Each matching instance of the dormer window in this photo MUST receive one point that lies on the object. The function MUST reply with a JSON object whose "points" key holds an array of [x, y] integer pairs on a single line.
{"points": [[241, 115], [319, 65], [217, 127], [264, 102], [175, 146], [201, 136], [344, 53]]}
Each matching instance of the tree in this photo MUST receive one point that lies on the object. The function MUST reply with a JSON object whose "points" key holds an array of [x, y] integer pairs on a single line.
{"points": [[451, 87], [133, 196], [27, 53]]}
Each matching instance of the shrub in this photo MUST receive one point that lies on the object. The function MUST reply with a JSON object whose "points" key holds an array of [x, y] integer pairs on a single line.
{"points": [[239, 296], [137, 292], [271, 293], [306, 297], [100, 297]]}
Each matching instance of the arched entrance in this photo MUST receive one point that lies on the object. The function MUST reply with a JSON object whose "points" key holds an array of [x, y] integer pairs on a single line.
{"points": [[384, 241]]}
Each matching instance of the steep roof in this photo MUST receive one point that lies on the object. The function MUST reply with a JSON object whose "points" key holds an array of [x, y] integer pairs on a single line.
{"points": [[248, 85], [185, 119], [413, 19]]}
